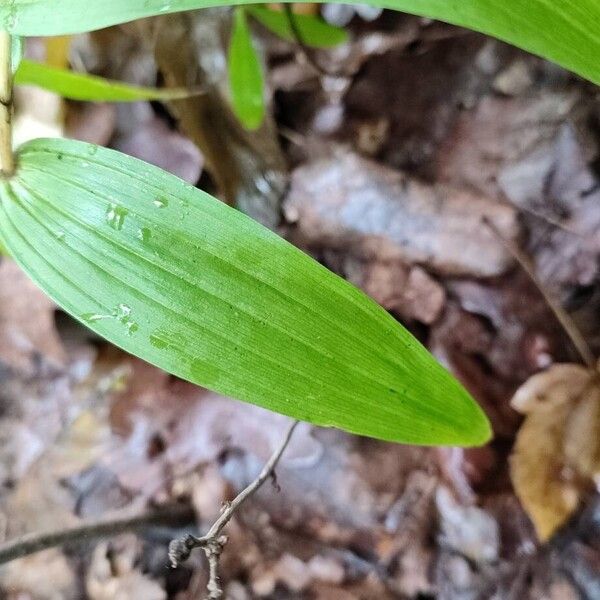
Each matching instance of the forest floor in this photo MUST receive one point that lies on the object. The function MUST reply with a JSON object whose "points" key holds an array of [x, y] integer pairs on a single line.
{"points": [[389, 171]]}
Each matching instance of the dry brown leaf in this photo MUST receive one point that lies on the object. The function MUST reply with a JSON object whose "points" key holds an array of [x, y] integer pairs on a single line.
{"points": [[410, 292], [92, 122], [556, 456], [113, 574], [377, 213], [468, 530], [27, 329], [141, 133], [46, 575]]}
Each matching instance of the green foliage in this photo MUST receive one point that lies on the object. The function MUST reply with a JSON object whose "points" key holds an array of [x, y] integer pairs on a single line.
{"points": [[314, 31], [565, 31], [81, 86], [195, 287], [246, 81]]}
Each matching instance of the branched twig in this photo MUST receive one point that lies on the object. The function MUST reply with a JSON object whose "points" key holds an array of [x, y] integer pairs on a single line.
{"points": [[35, 542], [560, 313], [213, 542]]}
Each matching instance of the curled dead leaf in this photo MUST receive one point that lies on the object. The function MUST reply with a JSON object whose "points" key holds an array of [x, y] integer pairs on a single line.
{"points": [[556, 456]]}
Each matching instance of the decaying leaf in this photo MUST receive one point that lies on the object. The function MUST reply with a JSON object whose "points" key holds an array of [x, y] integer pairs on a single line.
{"points": [[27, 332], [113, 574], [556, 456], [345, 201], [29, 577], [141, 133], [408, 291]]}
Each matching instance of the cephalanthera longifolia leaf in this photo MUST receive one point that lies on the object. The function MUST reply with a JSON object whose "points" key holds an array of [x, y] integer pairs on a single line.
{"points": [[313, 30], [193, 286], [82, 86], [565, 31], [246, 83]]}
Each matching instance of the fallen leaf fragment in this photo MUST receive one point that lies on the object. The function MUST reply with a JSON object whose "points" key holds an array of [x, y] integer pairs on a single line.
{"points": [[556, 456], [44, 576], [27, 329], [376, 213], [113, 574], [468, 530]]}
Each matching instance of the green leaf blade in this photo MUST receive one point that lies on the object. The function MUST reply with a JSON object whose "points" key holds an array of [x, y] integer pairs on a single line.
{"points": [[314, 31], [173, 276], [82, 86], [565, 31], [246, 81]]}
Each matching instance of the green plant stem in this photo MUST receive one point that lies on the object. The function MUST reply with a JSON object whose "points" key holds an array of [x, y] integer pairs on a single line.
{"points": [[7, 164]]}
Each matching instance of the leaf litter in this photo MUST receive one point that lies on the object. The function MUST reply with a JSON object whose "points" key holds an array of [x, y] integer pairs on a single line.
{"points": [[390, 185]]}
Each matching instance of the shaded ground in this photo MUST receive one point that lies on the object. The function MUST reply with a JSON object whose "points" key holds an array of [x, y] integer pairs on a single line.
{"points": [[394, 174]]}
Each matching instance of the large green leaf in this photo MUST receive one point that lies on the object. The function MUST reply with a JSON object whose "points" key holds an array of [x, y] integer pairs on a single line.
{"points": [[191, 285], [565, 31], [81, 86], [246, 82], [313, 30]]}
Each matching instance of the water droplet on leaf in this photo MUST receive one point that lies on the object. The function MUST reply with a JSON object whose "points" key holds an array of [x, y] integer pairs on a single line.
{"points": [[91, 317], [115, 216], [144, 234], [121, 313], [123, 310], [132, 327], [160, 202]]}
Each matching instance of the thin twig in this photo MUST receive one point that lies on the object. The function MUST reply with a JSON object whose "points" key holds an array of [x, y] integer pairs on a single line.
{"points": [[213, 542], [7, 163], [307, 52], [36, 542], [560, 313], [550, 220]]}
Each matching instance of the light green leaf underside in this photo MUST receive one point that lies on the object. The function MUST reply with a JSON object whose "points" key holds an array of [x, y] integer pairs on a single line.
{"points": [[313, 30], [565, 31], [16, 52], [195, 287], [81, 86], [246, 82]]}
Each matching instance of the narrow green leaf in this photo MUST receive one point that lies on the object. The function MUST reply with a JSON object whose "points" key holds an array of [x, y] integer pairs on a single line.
{"points": [[314, 31], [81, 86], [565, 31], [246, 82], [195, 287]]}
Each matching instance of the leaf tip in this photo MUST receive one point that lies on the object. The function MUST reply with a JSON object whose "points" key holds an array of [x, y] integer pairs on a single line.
{"points": [[479, 430]]}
